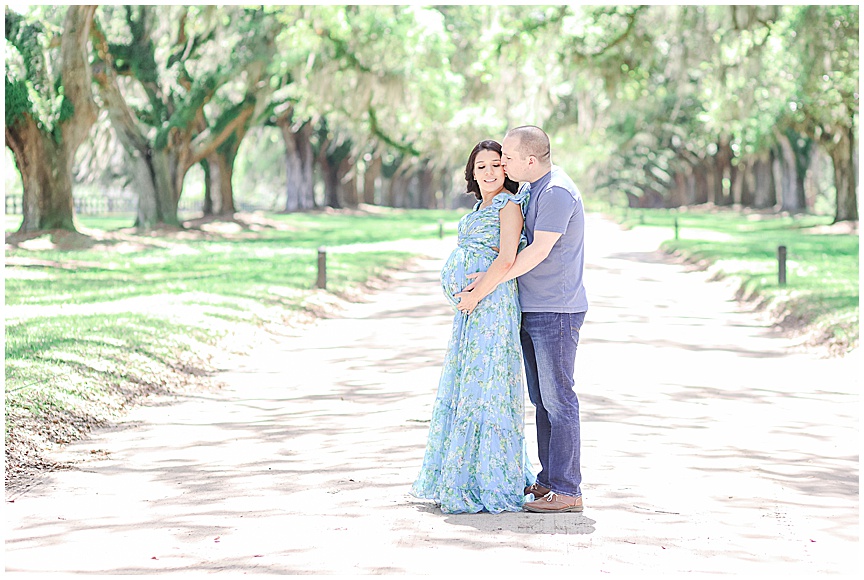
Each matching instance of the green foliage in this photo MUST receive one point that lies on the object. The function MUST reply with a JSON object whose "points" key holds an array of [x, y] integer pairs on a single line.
{"points": [[382, 74], [204, 55], [825, 41], [234, 268], [632, 95], [692, 77], [17, 101], [67, 109], [29, 82]]}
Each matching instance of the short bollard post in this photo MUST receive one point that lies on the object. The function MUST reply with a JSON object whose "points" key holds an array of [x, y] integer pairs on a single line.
{"points": [[441, 229], [676, 228], [781, 264], [322, 269]]}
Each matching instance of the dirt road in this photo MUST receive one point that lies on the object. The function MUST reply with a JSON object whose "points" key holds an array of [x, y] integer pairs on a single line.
{"points": [[709, 447]]}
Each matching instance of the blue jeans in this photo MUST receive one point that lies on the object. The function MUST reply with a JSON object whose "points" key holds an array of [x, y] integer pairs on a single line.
{"points": [[549, 341]]}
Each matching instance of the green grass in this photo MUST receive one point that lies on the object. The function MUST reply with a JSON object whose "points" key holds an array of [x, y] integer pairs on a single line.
{"points": [[822, 279], [113, 222], [247, 266], [73, 359], [65, 363], [104, 222], [346, 229], [313, 227]]}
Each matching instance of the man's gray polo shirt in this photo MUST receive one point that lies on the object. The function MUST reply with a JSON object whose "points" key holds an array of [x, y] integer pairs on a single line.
{"points": [[555, 284]]}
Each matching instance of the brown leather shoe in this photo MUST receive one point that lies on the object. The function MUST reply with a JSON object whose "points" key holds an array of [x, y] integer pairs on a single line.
{"points": [[537, 489], [555, 503]]}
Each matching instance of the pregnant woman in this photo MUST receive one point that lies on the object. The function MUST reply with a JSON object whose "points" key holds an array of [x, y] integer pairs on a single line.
{"points": [[476, 458]]}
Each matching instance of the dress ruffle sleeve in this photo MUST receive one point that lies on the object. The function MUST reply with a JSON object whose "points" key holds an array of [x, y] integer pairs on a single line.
{"points": [[520, 198]]}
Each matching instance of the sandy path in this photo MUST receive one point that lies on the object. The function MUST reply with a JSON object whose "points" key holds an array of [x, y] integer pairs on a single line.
{"points": [[707, 447]]}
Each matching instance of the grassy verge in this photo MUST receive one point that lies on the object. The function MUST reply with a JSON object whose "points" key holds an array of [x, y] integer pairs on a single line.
{"points": [[821, 294], [96, 322]]}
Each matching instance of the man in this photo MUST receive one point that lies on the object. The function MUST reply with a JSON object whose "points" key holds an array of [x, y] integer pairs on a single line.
{"points": [[554, 304]]}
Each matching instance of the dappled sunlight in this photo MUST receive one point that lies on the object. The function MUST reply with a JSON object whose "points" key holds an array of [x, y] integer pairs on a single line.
{"points": [[708, 445]]}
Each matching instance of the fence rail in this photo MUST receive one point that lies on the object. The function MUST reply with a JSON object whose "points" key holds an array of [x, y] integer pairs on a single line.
{"points": [[101, 205]]}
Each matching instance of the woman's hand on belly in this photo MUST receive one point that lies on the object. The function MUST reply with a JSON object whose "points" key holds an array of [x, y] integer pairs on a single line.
{"points": [[475, 277], [467, 302]]}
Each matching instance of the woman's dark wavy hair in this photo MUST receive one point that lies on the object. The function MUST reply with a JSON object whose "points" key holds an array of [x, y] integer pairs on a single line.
{"points": [[473, 186]]}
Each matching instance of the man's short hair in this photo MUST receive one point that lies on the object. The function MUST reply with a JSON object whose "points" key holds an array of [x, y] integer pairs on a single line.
{"points": [[532, 141]]}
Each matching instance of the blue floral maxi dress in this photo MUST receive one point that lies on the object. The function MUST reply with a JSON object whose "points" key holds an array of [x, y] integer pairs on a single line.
{"points": [[476, 458]]}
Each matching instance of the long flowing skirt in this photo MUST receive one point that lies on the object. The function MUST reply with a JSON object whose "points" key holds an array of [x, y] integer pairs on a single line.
{"points": [[476, 458]]}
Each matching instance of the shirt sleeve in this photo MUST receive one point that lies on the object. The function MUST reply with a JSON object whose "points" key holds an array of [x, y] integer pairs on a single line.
{"points": [[555, 208]]}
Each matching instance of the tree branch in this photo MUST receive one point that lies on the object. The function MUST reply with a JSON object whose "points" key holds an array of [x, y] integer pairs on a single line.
{"points": [[121, 116], [631, 24], [376, 130], [76, 74], [207, 142]]}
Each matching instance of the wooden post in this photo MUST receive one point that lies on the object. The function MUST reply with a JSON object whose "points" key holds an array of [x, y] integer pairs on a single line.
{"points": [[676, 227], [322, 269], [781, 263], [440, 229]]}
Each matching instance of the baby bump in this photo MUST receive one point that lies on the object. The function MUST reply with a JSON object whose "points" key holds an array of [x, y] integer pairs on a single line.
{"points": [[454, 274]]}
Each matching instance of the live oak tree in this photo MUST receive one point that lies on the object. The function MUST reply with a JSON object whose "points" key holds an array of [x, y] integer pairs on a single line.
{"points": [[825, 42], [49, 109], [160, 68], [382, 81], [671, 105]]}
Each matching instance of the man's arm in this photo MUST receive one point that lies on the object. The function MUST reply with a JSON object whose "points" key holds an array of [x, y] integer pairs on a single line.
{"points": [[525, 261], [535, 253]]}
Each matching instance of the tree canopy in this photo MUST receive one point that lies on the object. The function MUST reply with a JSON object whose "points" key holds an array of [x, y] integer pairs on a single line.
{"points": [[658, 105]]}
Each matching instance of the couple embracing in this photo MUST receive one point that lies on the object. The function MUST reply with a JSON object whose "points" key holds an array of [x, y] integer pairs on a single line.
{"points": [[476, 458]]}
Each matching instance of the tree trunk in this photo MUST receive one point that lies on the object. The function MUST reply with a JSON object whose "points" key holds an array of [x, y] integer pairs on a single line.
{"points": [[220, 184], [679, 192], [299, 161], [370, 177], [426, 193], [155, 171], [737, 181], [765, 185], [690, 179], [701, 184], [45, 159], [722, 170], [224, 158], [77, 77], [45, 175], [348, 182], [845, 176], [791, 180], [395, 191], [330, 173], [744, 184], [334, 169], [208, 187], [161, 162], [166, 187]]}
